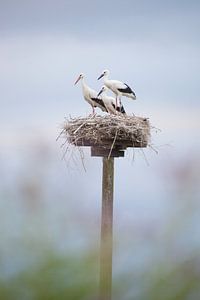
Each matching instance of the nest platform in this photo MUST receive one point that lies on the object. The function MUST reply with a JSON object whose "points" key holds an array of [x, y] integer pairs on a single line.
{"points": [[109, 135]]}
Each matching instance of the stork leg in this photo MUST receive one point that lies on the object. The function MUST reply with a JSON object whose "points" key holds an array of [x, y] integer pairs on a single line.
{"points": [[120, 104], [93, 111], [116, 102]]}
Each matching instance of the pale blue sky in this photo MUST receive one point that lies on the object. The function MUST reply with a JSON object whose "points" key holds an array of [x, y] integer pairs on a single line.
{"points": [[152, 45]]}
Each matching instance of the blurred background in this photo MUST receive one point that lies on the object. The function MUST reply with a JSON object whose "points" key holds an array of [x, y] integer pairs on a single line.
{"points": [[49, 206]]}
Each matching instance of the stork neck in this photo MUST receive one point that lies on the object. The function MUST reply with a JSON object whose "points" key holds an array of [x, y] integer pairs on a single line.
{"points": [[83, 81], [105, 78], [84, 85]]}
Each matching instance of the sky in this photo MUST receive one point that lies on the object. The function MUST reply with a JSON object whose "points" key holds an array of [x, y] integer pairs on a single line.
{"points": [[153, 46], [44, 45]]}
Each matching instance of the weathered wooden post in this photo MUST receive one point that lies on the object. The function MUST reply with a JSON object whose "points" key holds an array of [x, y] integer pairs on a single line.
{"points": [[106, 229], [108, 138], [106, 243]]}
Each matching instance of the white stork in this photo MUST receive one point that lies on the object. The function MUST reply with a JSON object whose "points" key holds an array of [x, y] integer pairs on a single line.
{"points": [[117, 87], [90, 95], [109, 102]]}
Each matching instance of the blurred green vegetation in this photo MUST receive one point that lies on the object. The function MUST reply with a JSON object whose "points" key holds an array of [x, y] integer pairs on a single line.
{"points": [[178, 281], [74, 278], [55, 277], [49, 249]]}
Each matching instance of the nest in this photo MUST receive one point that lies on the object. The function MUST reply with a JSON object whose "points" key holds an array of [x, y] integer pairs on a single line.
{"points": [[108, 131]]}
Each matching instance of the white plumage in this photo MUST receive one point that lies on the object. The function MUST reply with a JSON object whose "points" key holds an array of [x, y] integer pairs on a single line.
{"points": [[117, 87], [109, 102], [90, 95]]}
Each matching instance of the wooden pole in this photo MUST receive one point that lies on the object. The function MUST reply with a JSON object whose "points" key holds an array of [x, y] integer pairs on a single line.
{"points": [[106, 229]]}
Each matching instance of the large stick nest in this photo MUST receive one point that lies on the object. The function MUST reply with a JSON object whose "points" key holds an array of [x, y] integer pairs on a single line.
{"points": [[124, 131]]}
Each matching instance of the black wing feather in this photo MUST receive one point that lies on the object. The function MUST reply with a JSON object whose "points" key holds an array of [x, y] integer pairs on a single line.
{"points": [[100, 102], [127, 90], [119, 109]]}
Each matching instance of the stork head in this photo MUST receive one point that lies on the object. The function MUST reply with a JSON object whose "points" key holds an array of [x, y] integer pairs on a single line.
{"points": [[79, 77], [104, 73], [103, 89]]}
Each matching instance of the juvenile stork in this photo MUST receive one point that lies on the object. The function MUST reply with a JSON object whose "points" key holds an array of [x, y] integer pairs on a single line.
{"points": [[90, 95], [117, 87], [109, 102]]}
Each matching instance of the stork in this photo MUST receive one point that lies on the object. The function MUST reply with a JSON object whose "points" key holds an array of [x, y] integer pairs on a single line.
{"points": [[90, 95], [109, 102], [117, 87]]}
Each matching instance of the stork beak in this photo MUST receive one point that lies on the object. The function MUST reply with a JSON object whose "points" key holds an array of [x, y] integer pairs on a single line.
{"points": [[100, 93], [100, 76], [77, 80]]}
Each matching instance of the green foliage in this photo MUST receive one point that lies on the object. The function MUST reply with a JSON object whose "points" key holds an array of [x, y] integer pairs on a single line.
{"points": [[54, 278], [64, 277]]}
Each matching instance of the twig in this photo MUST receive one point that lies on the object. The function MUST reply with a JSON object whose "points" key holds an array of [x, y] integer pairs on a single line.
{"points": [[82, 124], [60, 134], [82, 158], [145, 158], [152, 148], [112, 145], [63, 156], [63, 143]]}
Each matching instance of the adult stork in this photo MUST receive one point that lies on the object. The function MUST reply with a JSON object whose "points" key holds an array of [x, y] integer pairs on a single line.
{"points": [[90, 95], [117, 87], [109, 102]]}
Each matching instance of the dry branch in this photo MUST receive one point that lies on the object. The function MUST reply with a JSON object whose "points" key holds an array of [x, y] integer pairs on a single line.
{"points": [[107, 131]]}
